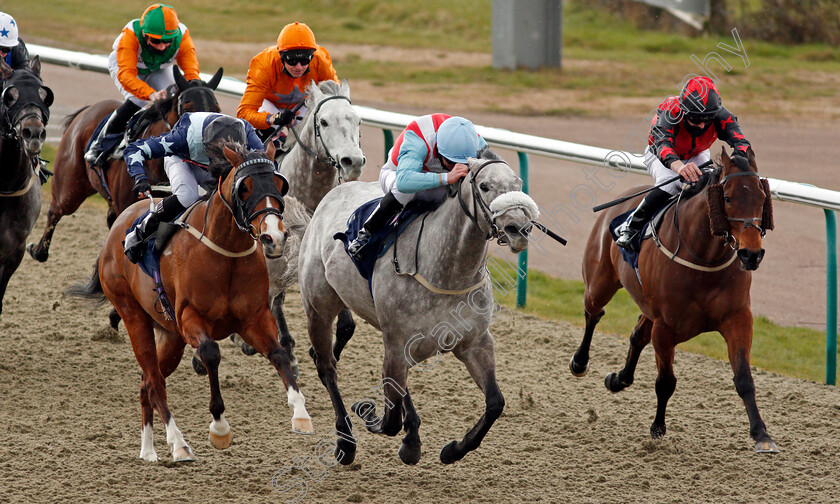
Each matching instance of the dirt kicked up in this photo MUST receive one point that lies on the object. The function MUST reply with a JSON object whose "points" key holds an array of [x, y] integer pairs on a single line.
{"points": [[69, 415]]}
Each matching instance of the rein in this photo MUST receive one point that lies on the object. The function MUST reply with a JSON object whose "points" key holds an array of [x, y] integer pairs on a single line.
{"points": [[329, 160], [485, 208]]}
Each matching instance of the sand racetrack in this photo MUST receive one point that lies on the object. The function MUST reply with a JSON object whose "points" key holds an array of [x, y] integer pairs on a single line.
{"points": [[71, 420]]}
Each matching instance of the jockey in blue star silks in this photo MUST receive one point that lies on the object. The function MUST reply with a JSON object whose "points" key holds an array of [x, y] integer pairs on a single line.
{"points": [[429, 154], [186, 149], [12, 48]]}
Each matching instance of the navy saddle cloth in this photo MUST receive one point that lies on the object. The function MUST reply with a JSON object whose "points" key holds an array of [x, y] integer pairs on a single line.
{"points": [[109, 142], [381, 241]]}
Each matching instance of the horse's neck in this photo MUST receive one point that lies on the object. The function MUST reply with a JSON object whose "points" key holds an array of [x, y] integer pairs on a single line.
{"points": [[455, 242], [12, 159], [310, 179], [695, 231], [219, 226]]}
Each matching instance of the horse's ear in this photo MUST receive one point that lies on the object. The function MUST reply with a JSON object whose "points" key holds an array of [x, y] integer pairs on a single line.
{"points": [[180, 81], [232, 156], [214, 81], [35, 66], [270, 151], [313, 94], [5, 70], [47, 95], [724, 157], [344, 90], [751, 158]]}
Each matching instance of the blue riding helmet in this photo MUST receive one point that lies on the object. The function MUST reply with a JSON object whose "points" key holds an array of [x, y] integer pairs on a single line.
{"points": [[457, 140]]}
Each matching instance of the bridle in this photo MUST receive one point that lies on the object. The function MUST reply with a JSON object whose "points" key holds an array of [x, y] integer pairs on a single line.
{"points": [[204, 95], [329, 160], [243, 211], [754, 222], [9, 119], [480, 204]]}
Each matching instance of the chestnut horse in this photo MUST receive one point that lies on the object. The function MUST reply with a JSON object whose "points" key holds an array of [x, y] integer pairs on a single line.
{"points": [[217, 285], [75, 180], [702, 289]]}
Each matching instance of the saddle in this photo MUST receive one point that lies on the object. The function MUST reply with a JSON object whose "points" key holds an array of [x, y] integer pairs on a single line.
{"points": [[380, 242]]}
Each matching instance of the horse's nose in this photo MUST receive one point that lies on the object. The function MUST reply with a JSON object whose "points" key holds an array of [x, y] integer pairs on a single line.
{"points": [[750, 258], [30, 133], [352, 165]]}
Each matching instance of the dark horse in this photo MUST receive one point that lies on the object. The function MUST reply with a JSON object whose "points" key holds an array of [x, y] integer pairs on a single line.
{"points": [[75, 180], [215, 277], [702, 289], [24, 112]]}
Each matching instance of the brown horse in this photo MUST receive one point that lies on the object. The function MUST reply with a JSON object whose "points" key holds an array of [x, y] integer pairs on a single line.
{"points": [[702, 289], [216, 287], [75, 180]]}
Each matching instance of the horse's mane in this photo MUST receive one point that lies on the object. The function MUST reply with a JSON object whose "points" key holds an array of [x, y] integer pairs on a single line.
{"points": [[219, 165]]}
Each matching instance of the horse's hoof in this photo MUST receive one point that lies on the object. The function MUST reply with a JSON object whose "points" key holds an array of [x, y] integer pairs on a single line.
{"points": [[345, 451], [312, 355], [221, 442], [766, 446], [183, 454], [149, 457], [302, 426], [448, 454], [40, 257], [409, 455], [657, 431], [198, 366], [576, 369], [247, 349]]}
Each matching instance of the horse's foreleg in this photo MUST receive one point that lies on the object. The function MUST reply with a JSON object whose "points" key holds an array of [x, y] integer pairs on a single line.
{"points": [[320, 335], [481, 363], [220, 433], [638, 341], [286, 340], [7, 268], [737, 331], [579, 365], [59, 207], [147, 435], [666, 382], [262, 335], [601, 285]]}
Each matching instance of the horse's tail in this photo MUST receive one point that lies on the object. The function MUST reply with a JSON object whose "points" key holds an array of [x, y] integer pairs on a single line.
{"points": [[92, 292], [69, 119]]}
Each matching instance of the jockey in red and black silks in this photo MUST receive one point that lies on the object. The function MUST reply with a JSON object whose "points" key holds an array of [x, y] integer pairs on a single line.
{"points": [[680, 136]]}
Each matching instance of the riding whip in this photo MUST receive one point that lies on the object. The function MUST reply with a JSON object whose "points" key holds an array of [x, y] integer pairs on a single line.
{"points": [[643, 191], [549, 232]]}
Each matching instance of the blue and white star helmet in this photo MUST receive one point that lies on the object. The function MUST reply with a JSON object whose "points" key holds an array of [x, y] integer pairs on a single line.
{"points": [[8, 31]]}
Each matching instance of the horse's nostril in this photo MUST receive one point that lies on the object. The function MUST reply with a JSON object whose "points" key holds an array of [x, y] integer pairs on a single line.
{"points": [[266, 239], [512, 230], [43, 135], [346, 161], [26, 134]]}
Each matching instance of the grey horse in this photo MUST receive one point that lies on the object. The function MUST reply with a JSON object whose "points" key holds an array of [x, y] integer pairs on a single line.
{"points": [[24, 111], [440, 301], [325, 152]]}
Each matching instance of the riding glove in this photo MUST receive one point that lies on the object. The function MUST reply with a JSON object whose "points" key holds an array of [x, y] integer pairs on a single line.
{"points": [[142, 186], [283, 118]]}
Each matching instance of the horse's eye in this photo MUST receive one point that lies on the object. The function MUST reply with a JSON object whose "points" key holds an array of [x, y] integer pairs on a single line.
{"points": [[727, 199], [484, 187], [324, 123]]}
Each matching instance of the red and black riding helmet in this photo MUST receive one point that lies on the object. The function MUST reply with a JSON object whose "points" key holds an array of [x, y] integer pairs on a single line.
{"points": [[699, 100]]}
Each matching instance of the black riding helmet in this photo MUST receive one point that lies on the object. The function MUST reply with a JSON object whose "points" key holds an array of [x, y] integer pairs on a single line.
{"points": [[699, 100], [224, 127]]}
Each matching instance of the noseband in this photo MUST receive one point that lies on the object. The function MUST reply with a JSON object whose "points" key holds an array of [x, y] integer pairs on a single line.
{"points": [[329, 160]]}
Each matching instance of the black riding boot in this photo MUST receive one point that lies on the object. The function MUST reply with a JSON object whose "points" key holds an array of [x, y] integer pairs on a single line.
{"points": [[116, 124], [387, 209], [135, 242], [636, 221]]}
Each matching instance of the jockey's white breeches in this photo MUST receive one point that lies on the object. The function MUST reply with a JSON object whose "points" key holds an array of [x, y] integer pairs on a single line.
{"points": [[661, 173]]}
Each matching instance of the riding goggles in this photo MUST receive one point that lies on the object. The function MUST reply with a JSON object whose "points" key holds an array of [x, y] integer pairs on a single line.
{"points": [[700, 118], [6, 50], [293, 58]]}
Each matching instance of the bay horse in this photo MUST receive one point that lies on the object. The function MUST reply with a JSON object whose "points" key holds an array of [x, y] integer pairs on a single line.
{"points": [[451, 256], [717, 243], [24, 112], [74, 180], [216, 285], [326, 153]]}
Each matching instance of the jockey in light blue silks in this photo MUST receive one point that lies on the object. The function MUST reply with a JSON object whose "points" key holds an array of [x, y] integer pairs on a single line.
{"points": [[186, 151], [430, 153]]}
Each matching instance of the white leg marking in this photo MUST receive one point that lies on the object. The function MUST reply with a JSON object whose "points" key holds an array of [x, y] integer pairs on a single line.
{"points": [[220, 428], [297, 401], [147, 444]]}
